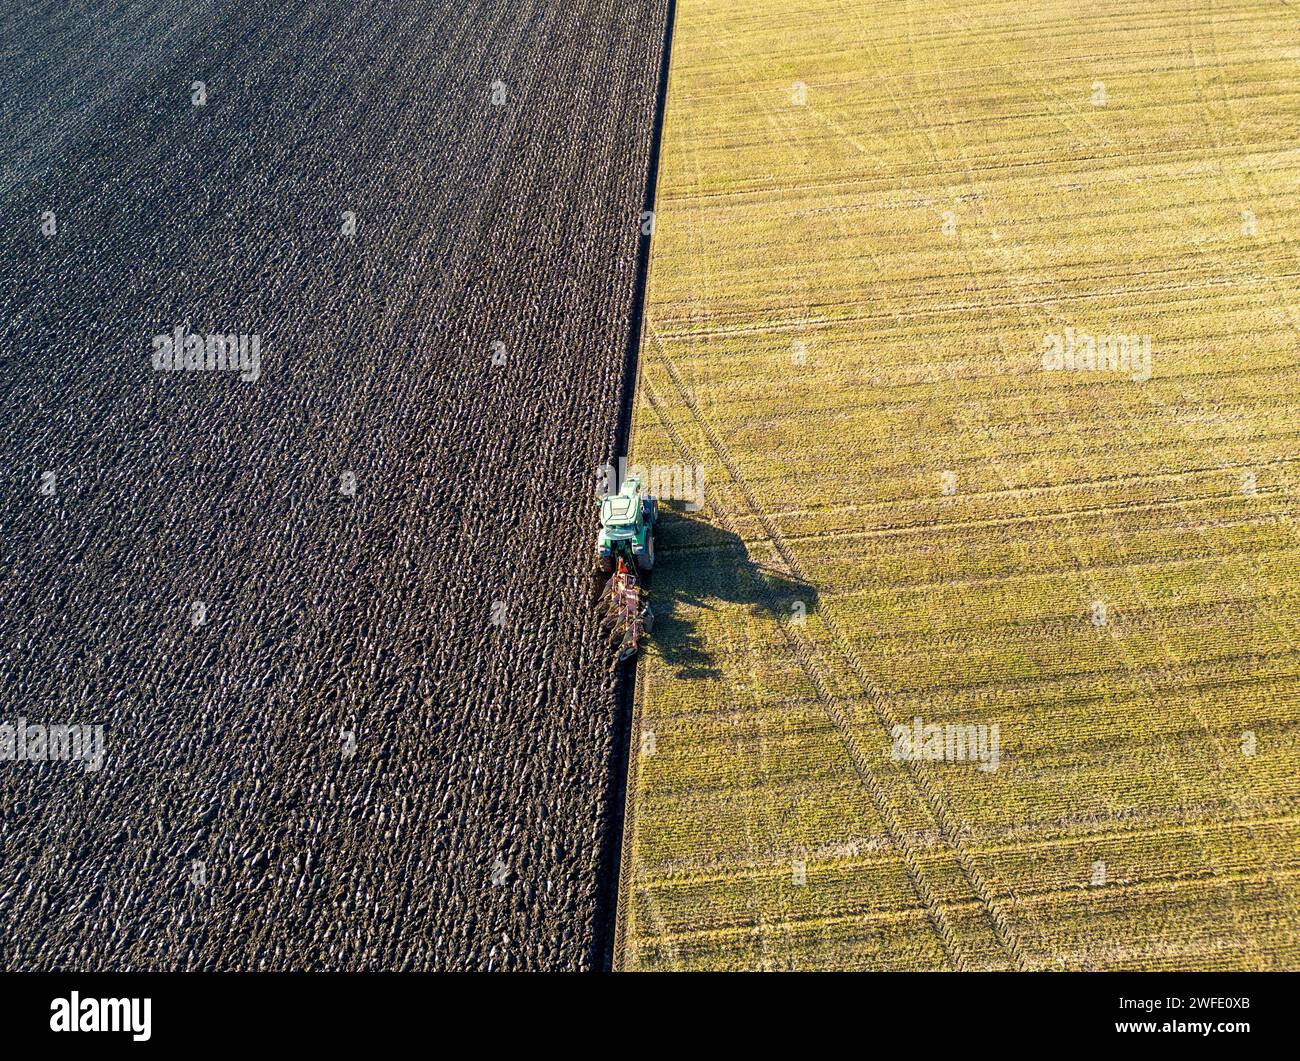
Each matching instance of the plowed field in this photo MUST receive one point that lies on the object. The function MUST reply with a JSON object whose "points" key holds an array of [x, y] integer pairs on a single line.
{"points": [[331, 618]]}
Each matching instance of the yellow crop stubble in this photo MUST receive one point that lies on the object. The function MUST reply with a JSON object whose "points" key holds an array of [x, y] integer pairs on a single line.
{"points": [[873, 221]]}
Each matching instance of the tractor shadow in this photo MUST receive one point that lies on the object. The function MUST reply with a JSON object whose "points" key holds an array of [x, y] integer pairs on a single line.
{"points": [[699, 565]]}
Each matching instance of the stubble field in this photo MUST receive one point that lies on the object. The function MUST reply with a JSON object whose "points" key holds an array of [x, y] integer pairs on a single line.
{"points": [[873, 221]]}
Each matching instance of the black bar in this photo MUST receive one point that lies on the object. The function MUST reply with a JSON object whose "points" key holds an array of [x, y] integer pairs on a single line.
{"points": [[865, 1013]]}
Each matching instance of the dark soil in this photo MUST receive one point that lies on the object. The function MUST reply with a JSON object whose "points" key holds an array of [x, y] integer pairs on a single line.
{"points": [[349, 525]]}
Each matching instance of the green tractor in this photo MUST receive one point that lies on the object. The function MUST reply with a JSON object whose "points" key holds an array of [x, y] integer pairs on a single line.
{"points": [[625, 550], [627, 529]]}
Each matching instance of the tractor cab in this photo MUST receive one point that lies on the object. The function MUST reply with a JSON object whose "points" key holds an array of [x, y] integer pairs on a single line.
{"points": [[620, 516]]}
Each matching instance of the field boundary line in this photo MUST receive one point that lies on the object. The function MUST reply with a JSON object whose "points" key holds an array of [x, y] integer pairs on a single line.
{"points": [[614, 948]]}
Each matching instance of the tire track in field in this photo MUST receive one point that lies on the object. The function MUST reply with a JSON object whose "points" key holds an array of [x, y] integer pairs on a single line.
{"points": [[1032, 310], [935, 802], [1027, 306], [809, 661]]}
